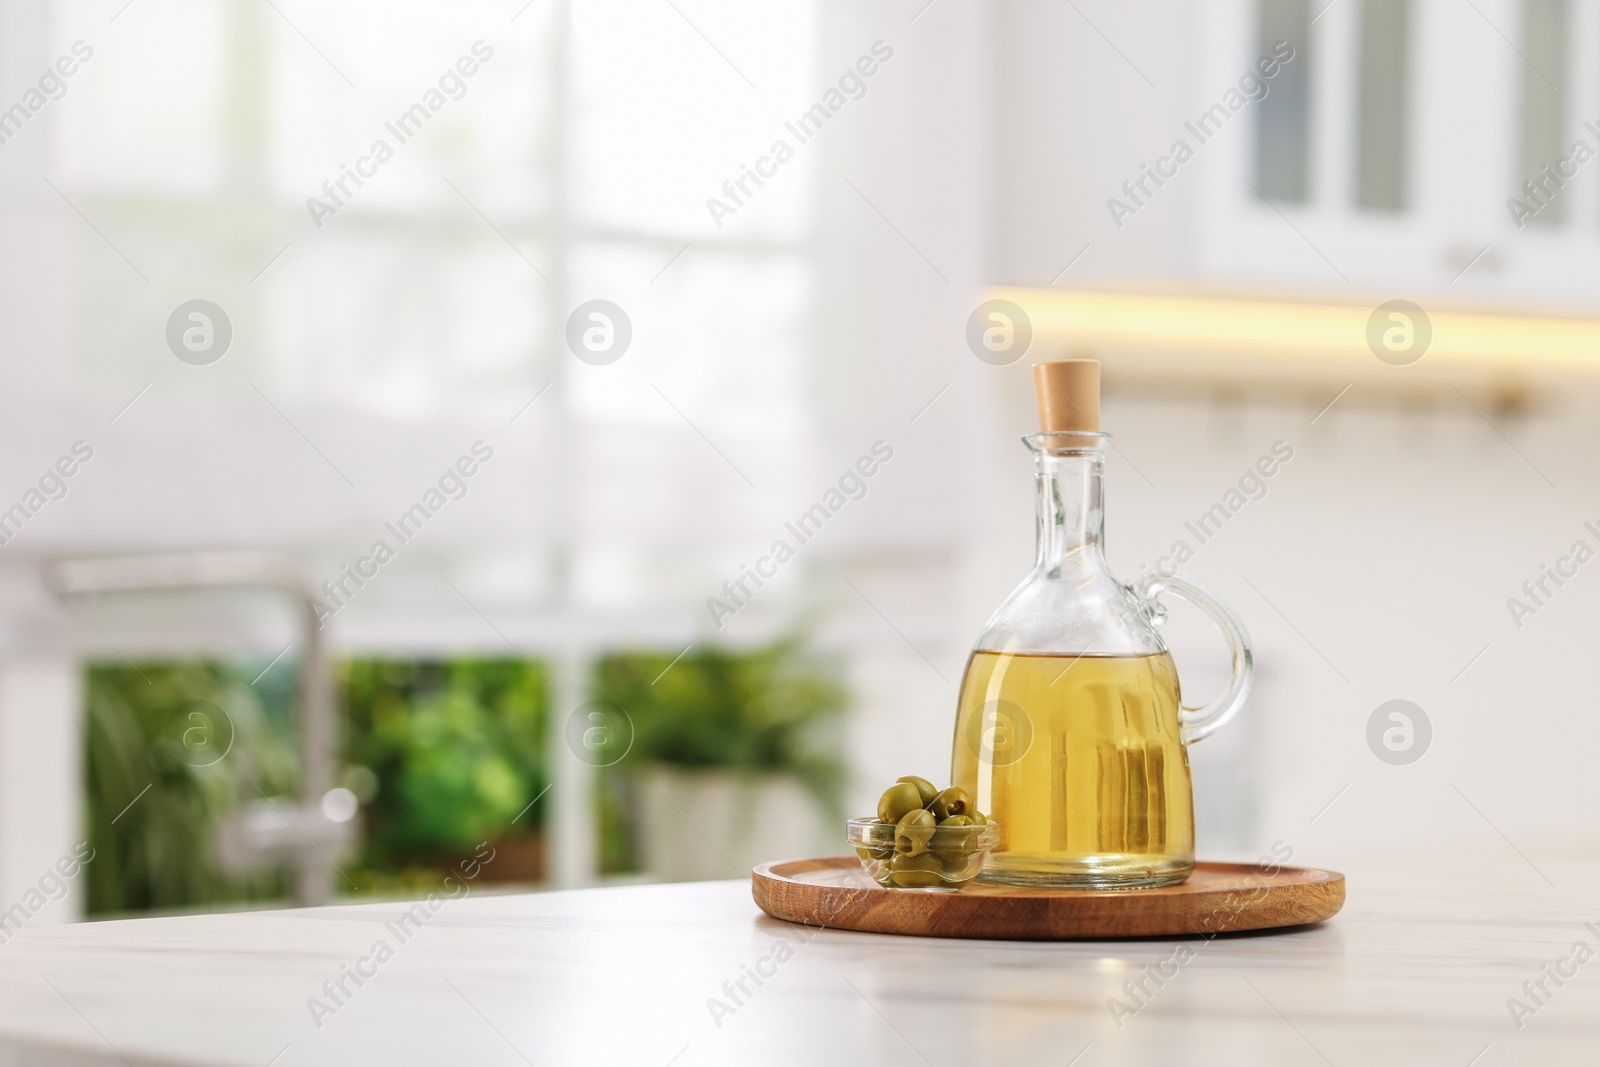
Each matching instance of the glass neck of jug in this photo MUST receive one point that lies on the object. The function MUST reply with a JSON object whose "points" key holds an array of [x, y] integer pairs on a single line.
{"points": [[1071, 515]]}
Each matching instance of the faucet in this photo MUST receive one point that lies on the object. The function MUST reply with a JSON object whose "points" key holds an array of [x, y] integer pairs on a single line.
{"points": [[263, 832]]}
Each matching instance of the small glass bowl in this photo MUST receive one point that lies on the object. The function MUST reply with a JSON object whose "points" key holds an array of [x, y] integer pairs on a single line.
{"points": [[952, 857]]}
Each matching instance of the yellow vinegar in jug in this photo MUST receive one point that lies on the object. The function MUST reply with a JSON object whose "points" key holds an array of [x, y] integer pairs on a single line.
{"points": [[1079, 760]]}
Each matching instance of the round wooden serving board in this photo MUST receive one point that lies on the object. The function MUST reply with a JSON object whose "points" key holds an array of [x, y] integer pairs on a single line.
{"points": [[1218, 898]]}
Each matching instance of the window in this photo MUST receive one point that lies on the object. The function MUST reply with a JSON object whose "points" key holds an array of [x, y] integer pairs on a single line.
{"points": [[216, 147], [574, 164]]}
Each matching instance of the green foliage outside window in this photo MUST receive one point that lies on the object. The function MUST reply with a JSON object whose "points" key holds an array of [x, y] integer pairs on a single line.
{"points": [[456, 752], [443, 754], [157, 782]]}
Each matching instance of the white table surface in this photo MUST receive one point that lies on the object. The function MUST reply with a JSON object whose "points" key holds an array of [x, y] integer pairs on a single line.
{"points": [[1417, 969]]}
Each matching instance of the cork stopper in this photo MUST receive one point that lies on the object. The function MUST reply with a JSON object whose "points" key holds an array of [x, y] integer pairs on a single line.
{"points": [[1069, 395]]}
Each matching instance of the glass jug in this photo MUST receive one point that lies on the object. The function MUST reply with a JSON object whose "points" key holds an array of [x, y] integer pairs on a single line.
{"points": [[1070, 731]]}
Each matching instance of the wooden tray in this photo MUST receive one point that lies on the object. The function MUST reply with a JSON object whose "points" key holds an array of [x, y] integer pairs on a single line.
{"points": [[1218, 898]]}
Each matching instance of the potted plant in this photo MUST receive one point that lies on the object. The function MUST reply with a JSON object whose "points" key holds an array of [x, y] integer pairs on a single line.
{"points": [[734, 759]]}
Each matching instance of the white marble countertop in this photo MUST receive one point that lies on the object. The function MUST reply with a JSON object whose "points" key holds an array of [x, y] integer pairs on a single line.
{"points": [[1417, 969]]}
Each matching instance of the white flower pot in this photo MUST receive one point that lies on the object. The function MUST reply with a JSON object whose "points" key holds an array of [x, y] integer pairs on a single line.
{"points": [[702, 825]]}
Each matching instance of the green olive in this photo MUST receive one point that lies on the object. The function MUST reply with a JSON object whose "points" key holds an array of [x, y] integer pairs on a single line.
{"points": [[977, 817], [952, 801], [912, 832], [956, 866], [875, 853], [897, 800], [916, 872], [901, 864], [925, 788], [957, 820], [954, 840], [916, 880]]}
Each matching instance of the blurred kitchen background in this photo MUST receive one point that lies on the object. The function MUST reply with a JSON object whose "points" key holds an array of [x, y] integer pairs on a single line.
{"points": [[535, 674]]}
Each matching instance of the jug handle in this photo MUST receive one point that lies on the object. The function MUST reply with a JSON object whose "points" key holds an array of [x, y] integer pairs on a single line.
{"points": [[1196, 723]]}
